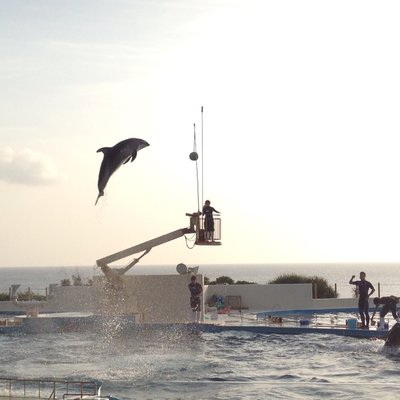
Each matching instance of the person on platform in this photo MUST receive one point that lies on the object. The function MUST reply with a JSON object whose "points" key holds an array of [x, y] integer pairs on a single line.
{"points": [[365, 290], [208, 221]]}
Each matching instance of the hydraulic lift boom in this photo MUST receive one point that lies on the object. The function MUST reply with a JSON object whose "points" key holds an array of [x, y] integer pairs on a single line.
{"points": [[145, 247]]}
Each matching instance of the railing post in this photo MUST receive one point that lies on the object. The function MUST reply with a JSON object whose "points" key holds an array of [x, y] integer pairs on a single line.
{"points": [[314, 290]]}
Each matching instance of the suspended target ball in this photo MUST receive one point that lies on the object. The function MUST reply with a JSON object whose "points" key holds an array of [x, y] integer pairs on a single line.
{"points": [[193, 156]]}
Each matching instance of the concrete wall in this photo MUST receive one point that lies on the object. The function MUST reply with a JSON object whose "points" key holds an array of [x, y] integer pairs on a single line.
{"points": [[278, 297], [71, 298], [322, 304], [63, 299], [165, 298], [266, 297], [151, 298]]}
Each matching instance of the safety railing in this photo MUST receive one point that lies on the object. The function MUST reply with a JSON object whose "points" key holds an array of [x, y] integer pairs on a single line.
{"points": [[202, 237], [21, 388]]}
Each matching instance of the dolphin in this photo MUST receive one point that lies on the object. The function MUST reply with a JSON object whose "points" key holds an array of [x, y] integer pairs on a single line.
{"points": [[393, 337], [116, 156]]}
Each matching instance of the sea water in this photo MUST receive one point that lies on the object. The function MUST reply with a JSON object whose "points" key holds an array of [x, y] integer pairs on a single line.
{"points": [[383, 276], [232, 365], [169, 364]]}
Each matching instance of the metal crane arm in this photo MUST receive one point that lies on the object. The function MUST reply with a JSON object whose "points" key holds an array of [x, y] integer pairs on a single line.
{"points": [[113, 274], [145, 246]]}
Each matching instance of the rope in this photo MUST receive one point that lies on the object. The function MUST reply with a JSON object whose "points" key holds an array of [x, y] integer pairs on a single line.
{"points": [[192, 239], [202, 158], [197, 168]]}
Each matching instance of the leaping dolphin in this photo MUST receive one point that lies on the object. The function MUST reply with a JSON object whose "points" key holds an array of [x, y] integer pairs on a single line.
{"points": [[114, 157]]}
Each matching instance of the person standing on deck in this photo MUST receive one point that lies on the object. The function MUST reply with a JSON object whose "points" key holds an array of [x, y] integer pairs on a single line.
{"points": [[195, 302], [363, 296]]}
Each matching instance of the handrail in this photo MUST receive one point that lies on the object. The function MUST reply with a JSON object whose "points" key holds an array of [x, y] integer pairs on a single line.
{"points": [[23, 388], [52, 394]]}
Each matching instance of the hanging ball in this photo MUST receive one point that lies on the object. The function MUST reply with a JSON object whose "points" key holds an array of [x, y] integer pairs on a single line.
{"points": [[193, 156]]}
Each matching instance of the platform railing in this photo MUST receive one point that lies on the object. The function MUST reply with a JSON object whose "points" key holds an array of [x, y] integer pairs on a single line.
{"points": [[21, 388], [217, 229]]}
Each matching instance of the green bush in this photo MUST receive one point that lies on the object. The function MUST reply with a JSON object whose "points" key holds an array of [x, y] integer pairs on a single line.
{"points": [[28, 296], [225, 280], [324, 290], [76, 281], [23, 296], [4, 297]]}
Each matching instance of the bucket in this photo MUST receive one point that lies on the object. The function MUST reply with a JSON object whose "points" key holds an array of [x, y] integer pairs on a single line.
{"points": [[385, 326], [352, 323]]}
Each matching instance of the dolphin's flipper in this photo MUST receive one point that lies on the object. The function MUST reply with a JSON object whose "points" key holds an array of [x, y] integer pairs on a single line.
{"points": [[131, 157], [134, 154], [116, 156]]}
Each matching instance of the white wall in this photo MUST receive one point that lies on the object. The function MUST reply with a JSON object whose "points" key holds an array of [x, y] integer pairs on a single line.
{"points": [[158, 298], [152, 298], [165, 298], [266, 297]]}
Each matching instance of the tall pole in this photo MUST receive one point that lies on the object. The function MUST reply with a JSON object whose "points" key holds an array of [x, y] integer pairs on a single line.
{"points": [[197, 168], [202, 158]]}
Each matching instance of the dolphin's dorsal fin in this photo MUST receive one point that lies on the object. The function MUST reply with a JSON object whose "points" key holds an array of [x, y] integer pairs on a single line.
{"points": [[104, 150]]}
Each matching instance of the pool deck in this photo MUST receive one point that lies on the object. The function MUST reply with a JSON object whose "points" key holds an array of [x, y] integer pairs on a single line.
{"points": [[292, 322], [289, 322], [292, 330]]}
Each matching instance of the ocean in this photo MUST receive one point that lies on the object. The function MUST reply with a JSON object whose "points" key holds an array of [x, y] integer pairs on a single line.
{"points": [[168, 364], [383, 276]]}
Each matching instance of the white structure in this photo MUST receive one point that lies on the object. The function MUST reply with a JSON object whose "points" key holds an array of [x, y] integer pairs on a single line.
{"points": [[166, 298]]}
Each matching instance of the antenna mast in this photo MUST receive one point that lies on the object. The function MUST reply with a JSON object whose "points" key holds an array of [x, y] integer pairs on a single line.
{"points": [[194, 156], [202, 158]]}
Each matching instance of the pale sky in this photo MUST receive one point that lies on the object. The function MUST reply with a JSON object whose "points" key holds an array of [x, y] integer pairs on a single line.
{"points": [[301, 128]]}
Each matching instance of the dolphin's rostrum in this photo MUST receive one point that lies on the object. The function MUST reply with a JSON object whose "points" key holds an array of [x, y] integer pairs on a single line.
{"points": [[114, 157]]}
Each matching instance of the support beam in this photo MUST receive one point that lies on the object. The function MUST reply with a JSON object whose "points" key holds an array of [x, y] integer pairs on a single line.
{"points": [[145, 246]]}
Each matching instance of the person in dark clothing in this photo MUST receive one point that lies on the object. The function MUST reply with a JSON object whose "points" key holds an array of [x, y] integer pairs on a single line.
{"points": [[209, 221], [389, 303], [363, 296], [195, 301]]}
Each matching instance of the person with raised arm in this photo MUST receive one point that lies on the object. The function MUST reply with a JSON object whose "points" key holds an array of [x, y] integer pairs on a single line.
{"points": [[365, 290]]}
